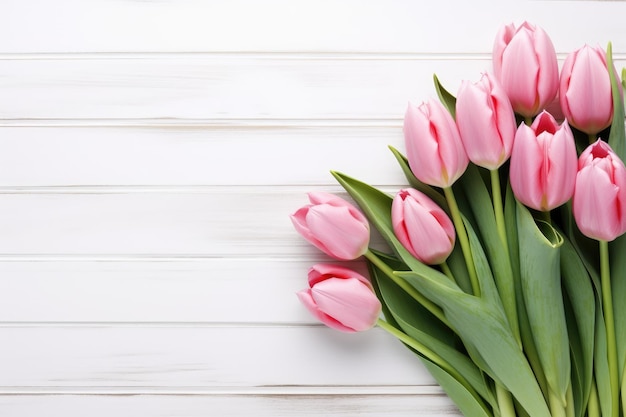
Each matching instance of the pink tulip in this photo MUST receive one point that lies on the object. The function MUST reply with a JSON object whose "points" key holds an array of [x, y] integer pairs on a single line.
{"points": [[333, 225], [585, 91], [600, 194], [543, 163], [422, 227], [525, 62], [340, 298], [486, 122], [434, 148]]}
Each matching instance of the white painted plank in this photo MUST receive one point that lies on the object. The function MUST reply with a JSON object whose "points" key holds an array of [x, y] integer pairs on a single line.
{"points": [[218, 222], [228, 406], [281, 25], [200, 155], [188, 357], [201, 291], [228, 87], [223, 87]]}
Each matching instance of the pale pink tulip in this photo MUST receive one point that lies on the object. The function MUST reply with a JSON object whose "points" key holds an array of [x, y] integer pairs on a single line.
{"points": [[585, 91], [434, 148], [486, 122], [340, 298], [422, 227], [543, 163], [333, 225], [524, 60], [600, 195]]}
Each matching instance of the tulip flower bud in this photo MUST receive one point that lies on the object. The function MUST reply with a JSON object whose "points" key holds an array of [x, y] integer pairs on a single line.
{"points": [[585, 91], [524, 60], [600, 194], [486, 122], [333, 225], [434, 148], [543, 163], [341, 298], [422, 227]]}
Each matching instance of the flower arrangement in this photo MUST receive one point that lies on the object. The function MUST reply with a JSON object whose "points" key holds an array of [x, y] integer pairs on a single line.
{"points": [[506, 264]]}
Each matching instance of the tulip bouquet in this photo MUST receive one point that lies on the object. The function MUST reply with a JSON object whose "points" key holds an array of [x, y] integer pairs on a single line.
{"points": [[505, 264]]}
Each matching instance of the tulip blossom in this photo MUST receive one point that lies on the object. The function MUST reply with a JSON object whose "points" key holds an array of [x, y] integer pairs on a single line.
{"points": [[333, 225], [524, 60], [585, 92], [600, 195], [422, 227], [486, 122], [434, 148], [543, 163], [341, 298]]}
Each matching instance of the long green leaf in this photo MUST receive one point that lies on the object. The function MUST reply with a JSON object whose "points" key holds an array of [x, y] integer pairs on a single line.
{"points": [[479, 200], [484, 326], [539, 245], [462, 398], [579, 292]]}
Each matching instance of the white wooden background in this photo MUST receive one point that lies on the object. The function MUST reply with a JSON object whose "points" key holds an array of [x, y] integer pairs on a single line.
{"points": [[150, 153]]}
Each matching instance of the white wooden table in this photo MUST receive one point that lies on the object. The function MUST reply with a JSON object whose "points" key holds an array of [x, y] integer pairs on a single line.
{"points": [[150, 153]]}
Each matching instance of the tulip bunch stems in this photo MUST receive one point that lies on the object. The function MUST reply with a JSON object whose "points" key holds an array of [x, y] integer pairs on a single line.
{"points": [[430, 355], [463, 239], [609, 322], [505, 401], [446, 270], [408, 288]]}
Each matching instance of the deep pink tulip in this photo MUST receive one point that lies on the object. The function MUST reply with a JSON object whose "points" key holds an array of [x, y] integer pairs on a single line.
{"points": [[543, 163], [434, 148], [422, 227], [585, 91], [486, 122], [525, 62], [341, 298], [600, 194], [333, 225]]}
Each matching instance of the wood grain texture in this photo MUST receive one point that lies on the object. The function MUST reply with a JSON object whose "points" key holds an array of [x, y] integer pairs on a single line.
{"points": [[150, 153]]}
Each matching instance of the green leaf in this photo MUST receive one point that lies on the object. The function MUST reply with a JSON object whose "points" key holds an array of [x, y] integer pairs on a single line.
{"points": [[540, 275], [617, 137], [447, 99], [458, 393], [481, 205], [601, 366], [618, 291], [581, 297], [483, 325], [435, 195], [417, 322]]}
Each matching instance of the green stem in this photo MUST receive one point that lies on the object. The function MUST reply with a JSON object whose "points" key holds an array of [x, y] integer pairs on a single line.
{"points": [[408, 288], [593, 406], [505, 401], [446, 270], [528, 120], [607, 304], [463, 239], [431, 356], [510, 307], [592, 138], [556, 405]]}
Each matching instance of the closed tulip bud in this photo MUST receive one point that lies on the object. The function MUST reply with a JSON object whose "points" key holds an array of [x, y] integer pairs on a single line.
{"points": [[543, 163], [333, 225], [434, 148], [422, 227], [524, 60], [486, 122], [600, 195], [585, 91], [341, 298]]}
